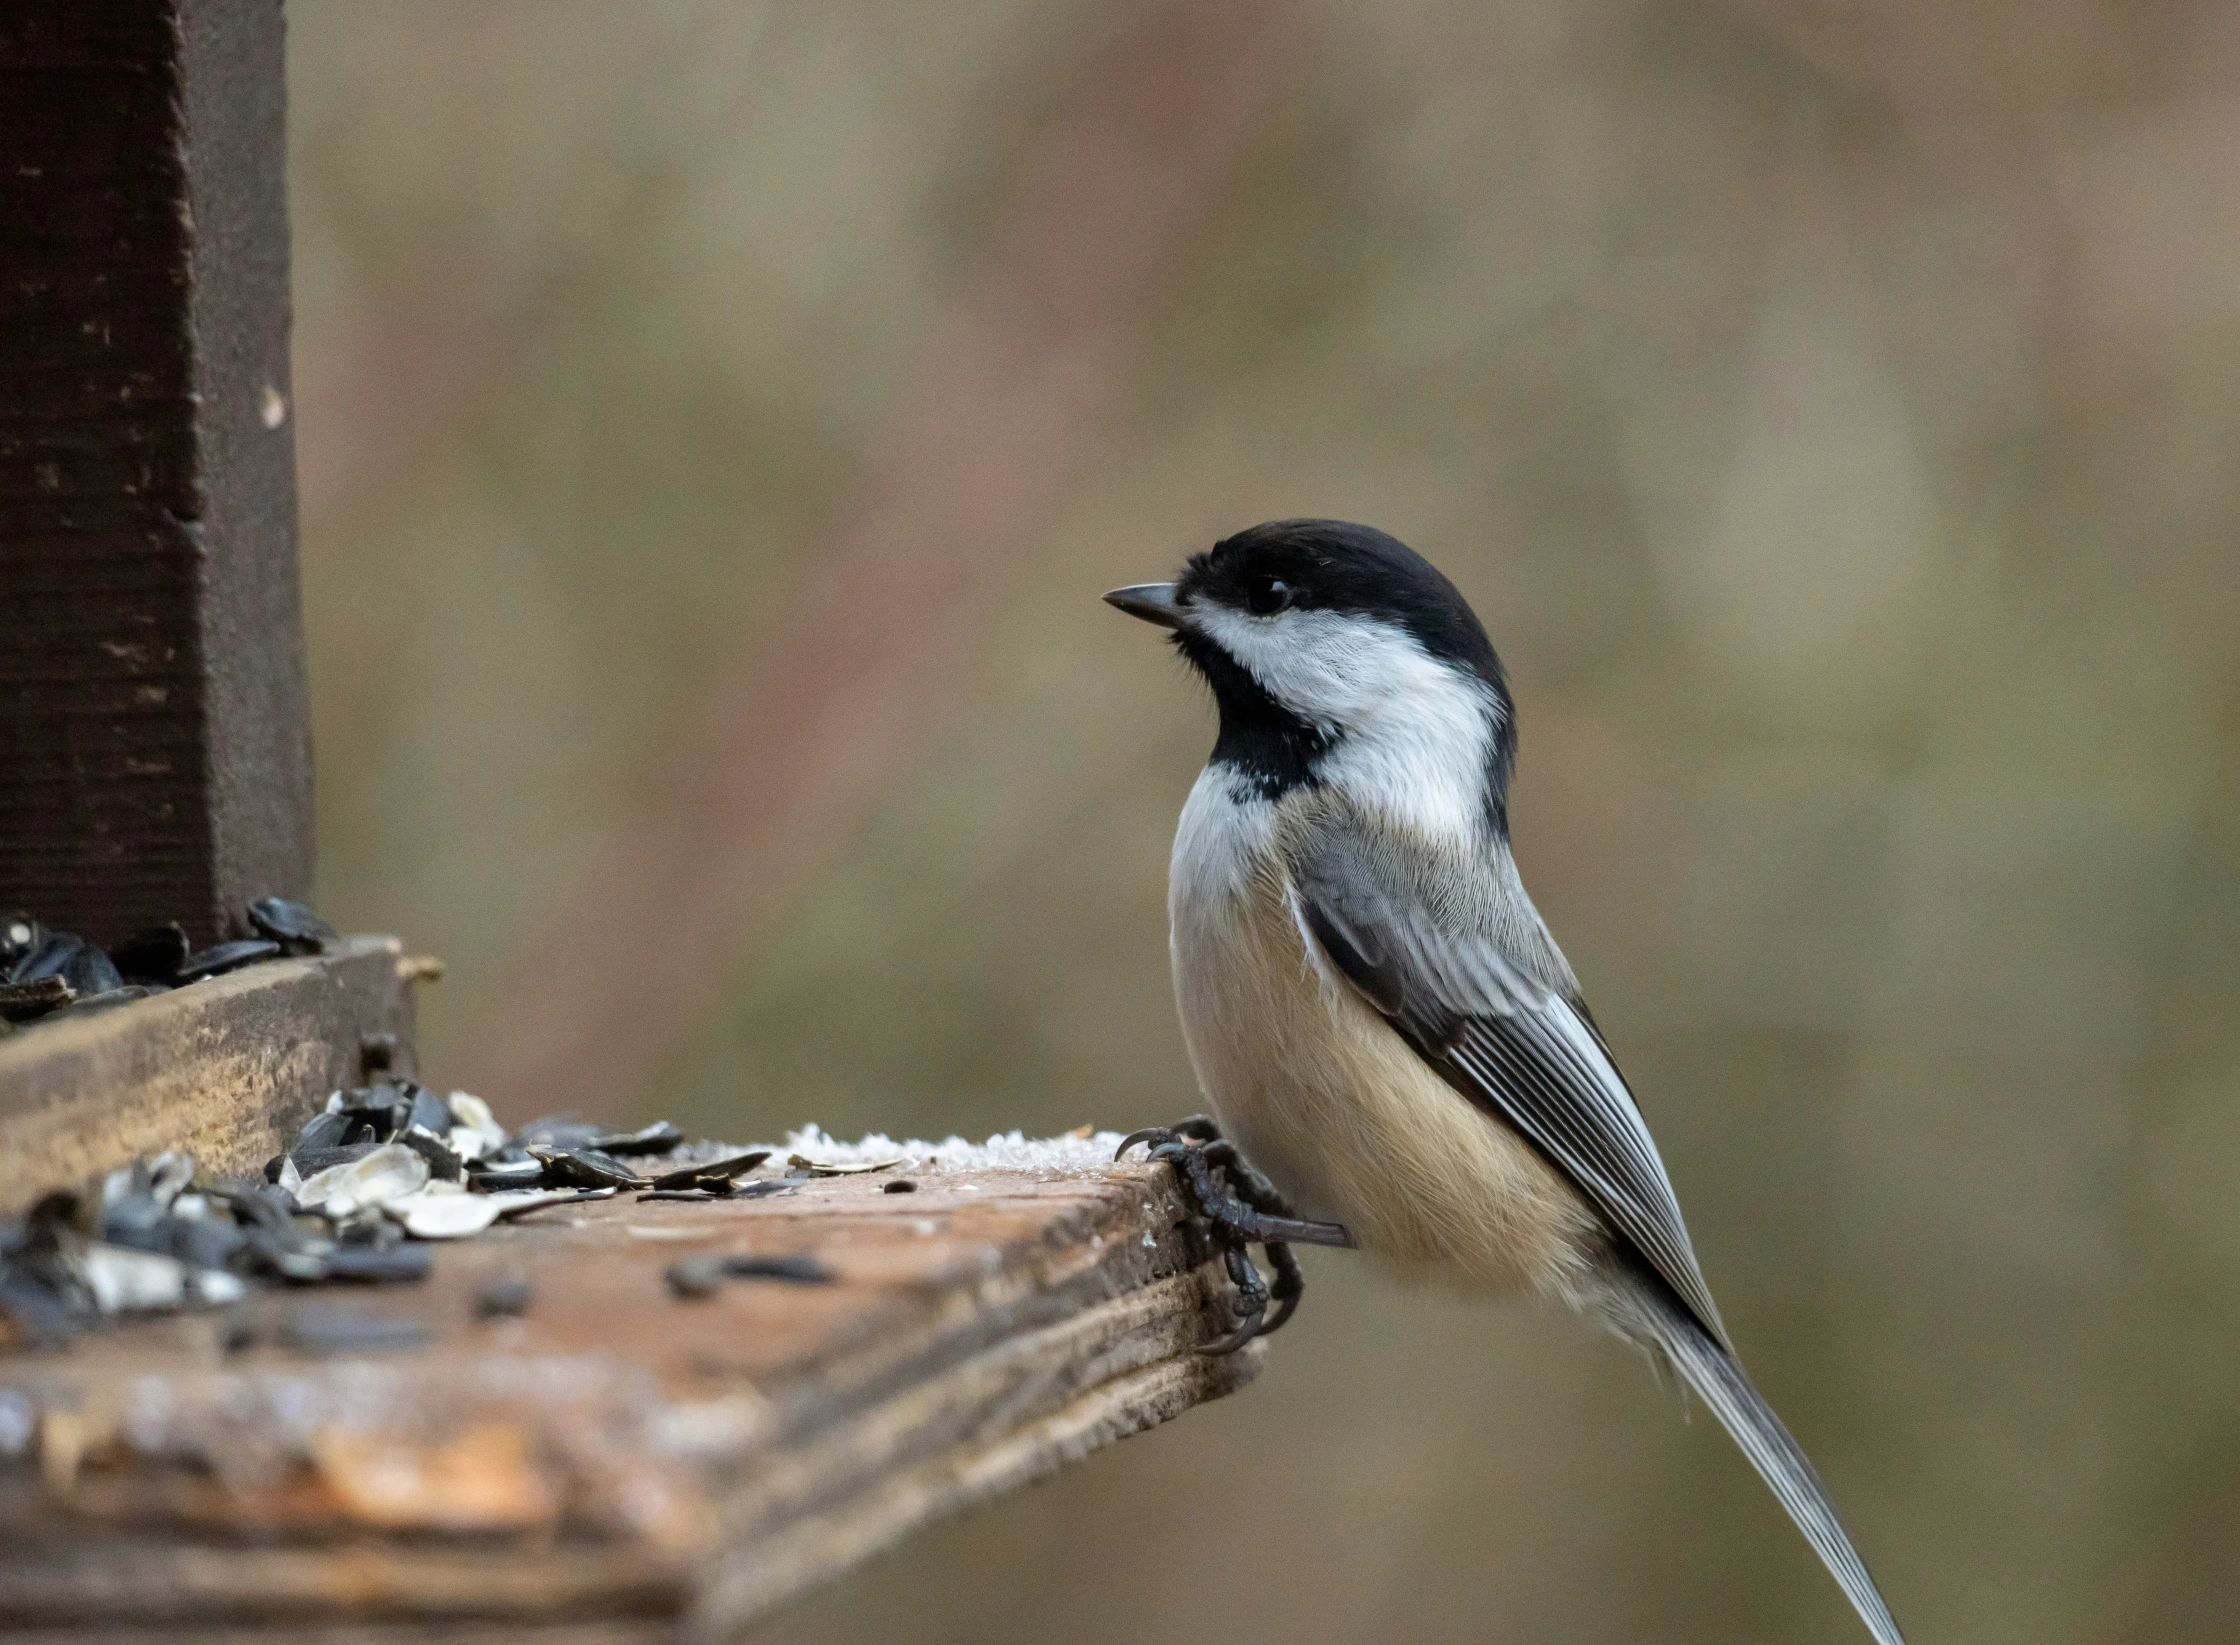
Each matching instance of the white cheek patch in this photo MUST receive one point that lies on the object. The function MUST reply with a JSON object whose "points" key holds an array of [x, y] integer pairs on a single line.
{"points": [[1325, 666], [1414, 734]]}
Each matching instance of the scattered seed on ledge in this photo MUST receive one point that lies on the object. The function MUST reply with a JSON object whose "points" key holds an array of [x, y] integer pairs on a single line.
{"points": [[504, 1298], [700, 1276], [793, 1270], [23, 1001], [290, 924], [703, 1276], [153, 955], [227, 956], [370, 1265], [833, 1168], [584, 1168], [344, 1331], [658, 1138], [713, 1172]]}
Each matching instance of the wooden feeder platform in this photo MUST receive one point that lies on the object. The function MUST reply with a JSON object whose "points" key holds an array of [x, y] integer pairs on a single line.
{"points": [[620, 1462]]}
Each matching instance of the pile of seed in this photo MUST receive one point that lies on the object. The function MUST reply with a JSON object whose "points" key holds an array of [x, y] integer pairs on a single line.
{"points": [[384, 1168], [44, 973]]}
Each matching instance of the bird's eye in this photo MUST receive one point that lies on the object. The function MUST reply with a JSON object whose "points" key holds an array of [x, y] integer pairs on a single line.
{"points": [[1265, 596]]}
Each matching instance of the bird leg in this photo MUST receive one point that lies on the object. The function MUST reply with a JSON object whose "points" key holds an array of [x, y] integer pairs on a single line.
{"points": [[1248, 1306], [1225, 1188], [1241, 1208]]}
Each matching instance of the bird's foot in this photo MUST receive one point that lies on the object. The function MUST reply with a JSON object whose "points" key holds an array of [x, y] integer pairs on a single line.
{"points": [[1240, 1208]]}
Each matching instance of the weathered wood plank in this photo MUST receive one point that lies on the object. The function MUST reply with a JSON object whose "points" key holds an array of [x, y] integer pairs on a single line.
{"points": [[620, 1463], [228, 1069], [154, 742]]}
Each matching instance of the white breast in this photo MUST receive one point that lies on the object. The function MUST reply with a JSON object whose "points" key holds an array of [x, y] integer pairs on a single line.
{"points": [[1323, 1095], [1226, 835]]}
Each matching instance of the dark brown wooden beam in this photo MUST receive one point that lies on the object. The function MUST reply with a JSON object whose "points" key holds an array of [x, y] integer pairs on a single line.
{"points": [[154, 745]]}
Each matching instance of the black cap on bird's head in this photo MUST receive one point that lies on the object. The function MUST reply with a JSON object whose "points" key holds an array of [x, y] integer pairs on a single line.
{"points": [[1315, 632]]}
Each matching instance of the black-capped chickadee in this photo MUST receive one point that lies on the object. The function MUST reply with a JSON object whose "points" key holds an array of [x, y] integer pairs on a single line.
{"points": [[1374, 1007]]}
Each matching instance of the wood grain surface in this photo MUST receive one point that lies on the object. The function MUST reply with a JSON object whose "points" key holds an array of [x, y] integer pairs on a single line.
{"points": [[227, 1069], [621, 1462], [154, 728]]}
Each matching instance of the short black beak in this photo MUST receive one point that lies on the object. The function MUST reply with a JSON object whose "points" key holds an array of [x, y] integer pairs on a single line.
{"points": [[1153, 602]]}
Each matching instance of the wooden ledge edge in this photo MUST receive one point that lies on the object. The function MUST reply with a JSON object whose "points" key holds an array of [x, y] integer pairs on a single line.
{"points": [[227, 1069], [777, 1522], [749, 1584]]}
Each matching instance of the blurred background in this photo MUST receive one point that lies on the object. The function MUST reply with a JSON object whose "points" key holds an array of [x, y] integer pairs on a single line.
{"points": [[718, 418]]}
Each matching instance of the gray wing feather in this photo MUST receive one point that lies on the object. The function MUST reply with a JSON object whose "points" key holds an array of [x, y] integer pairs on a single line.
{"points": [[1513, 1044], [1506, 1029], [1522, 1047]]}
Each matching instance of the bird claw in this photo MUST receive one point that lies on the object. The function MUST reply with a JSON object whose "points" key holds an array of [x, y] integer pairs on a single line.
{"points": [[1197, 1128], [1240, 1208], [1250, 1304]]}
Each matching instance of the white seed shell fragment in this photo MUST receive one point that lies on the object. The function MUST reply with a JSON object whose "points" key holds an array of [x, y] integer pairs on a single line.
{"points": [[116, 1188], [512, 1202], [837, 1168], [214, 1287], [388, 1173], [432, 1214], [168, 1175], [477, 1135], [123, 1280]]}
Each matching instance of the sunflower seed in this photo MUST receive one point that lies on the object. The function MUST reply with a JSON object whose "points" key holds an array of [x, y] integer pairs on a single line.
{"points": [[827, 1168], [432, 1215], [30, 1000], [500, 1175], [346, 1331], [290, 924], [700, 1276], [584, 1168], [154, 955], [658, 1138], [442, 1162], [797, 1270], [49, 957], [475, 1131], [513, 1203], [226, 956], [504, 1298], [723, 1170], [371, 1265], [388, 1172]]}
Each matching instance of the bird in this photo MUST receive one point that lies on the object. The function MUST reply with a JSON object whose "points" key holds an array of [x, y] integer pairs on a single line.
{"points": [[1376, 1012]]}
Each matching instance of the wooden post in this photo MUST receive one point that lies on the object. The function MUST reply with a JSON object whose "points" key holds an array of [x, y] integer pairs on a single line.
{"points": [[154, 744]]}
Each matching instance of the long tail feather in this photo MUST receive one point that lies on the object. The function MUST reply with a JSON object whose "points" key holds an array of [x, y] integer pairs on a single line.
{"points": [[1721, 1383]]}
